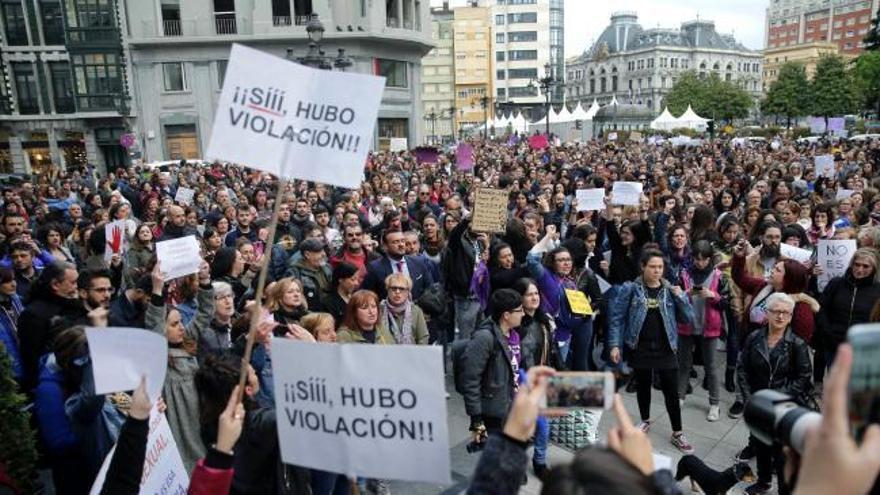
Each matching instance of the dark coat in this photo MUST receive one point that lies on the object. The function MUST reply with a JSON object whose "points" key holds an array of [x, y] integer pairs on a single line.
{"points": [[845, 302], [458, 261], [39, 324], [487, 378], [785, 368], [538, 344], [379, 269]]}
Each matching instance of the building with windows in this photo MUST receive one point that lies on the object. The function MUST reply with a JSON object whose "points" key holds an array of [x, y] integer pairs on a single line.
{"points": [[640, 66], [65, 99], [798, 22], [528, 35], [472, 49], [807, 54], [179, 51], [438, 79]]}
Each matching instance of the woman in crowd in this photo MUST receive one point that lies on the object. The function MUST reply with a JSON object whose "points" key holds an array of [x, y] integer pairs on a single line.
{"points": [[51, 238], [644, 319], [212, 241], [121, 212], [433, 241], [773, 357], [228, 267], [286, 301], [345, 281], [403, 318], [822, 227], [361, 324], [139, 255], [10, 309], [321, 325]]}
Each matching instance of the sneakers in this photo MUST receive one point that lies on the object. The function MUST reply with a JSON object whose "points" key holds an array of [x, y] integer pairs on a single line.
{"points": [[758, 488], [714, 413], [644, 426], [729, 381], [681, 443], [746, 454], [736, 410]]}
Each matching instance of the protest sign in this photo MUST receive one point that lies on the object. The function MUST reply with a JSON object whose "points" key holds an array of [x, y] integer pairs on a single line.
{"points": [[590, 199], [121, 356], [612, 136], [843, 194], [179, 257], [836, 124], [397, 144], [825, 166], [795, 253], [626, 193], [426, 154], [293, 121], [817, 125], [490, 211], [163, 467], [464, 156], [603, 284], [635, 136], [834, 257], [370, 415], [184, 196], [538, 142], [117, 239]]}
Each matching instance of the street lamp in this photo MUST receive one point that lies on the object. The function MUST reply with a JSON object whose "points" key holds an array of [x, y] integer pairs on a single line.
{"points": [[434, 115], [315, 57], [484, 102], [546, 85]]}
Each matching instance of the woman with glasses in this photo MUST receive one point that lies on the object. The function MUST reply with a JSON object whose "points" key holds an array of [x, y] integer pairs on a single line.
{"points": [[773, 357], [403, 319]]}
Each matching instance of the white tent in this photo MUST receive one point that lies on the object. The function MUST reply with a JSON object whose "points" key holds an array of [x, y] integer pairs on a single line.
{"points": [[614, 100], [580, 114], [691, 120], [593, 109], [563, 116], [519, 123], [665, 122], [553, 117]]}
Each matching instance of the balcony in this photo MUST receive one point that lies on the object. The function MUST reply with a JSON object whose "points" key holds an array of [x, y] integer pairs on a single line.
{"points": [[172, 27], [302, 20], [64, 104], [281, 20], [225, 23]]}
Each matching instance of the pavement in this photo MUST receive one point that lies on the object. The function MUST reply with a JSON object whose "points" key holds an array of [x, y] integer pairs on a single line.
{"points": [[717, 443]]}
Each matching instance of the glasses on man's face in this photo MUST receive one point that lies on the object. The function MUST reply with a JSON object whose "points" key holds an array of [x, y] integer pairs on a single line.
{"points": [[517, 310], [780, 313], [398, 289]]}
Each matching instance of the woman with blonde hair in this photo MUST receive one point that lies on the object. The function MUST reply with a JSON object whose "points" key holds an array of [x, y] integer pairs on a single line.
{"points": [[322, 326], [286, 301], [403, 319], [361, 323]]}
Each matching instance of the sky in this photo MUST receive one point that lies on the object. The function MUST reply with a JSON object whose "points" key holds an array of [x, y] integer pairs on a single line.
{"points": [[585, 19]]}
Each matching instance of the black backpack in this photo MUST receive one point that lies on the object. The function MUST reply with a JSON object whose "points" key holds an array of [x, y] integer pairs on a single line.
{"points": [[458, 348]]}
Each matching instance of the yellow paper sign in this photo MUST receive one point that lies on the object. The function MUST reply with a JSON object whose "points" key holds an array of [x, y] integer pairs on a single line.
{"points": [[578, 302]]}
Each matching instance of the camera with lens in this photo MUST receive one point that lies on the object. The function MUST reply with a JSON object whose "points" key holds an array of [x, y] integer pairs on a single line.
{"points": [[775, 418]]}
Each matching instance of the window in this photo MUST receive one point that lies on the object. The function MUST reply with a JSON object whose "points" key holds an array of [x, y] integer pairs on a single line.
{"points": [[499, 56], [499, 20], [53, 26], [174, 76], [25, 87], [522, 73], [523, 36], [501, 92], [500, 74], [522, 91], [62, 87], [592, 86], [522, 18], [522, 54], [221, 71], [499, 37], [13, 17], [97, 80], [394, 72]]}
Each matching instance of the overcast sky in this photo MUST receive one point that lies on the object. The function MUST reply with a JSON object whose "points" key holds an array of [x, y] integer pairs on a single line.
{"points": [[585, 19]]}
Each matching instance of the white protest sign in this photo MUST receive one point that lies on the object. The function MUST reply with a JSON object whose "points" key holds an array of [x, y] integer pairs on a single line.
{"points": [[163, 467], [120, 356], [825, 166], [293, 121], [397, 144], [843, 194], [795, 253], [612, 136], [184, 195], [626, 193], [603, 284], [179, 257], [117, 239], [590, 199], [834, 257], [378, 412]]}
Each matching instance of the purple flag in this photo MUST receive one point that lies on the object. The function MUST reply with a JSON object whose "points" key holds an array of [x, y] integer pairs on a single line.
{"points": [[835, 124], [512, 140], [464, 157], [426, 154]]}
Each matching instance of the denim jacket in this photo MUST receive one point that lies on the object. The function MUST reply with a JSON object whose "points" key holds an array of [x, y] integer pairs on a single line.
{"points": [[628, 311]]}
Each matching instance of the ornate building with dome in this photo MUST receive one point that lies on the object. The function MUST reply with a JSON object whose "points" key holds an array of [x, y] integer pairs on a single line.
{"points": [[639, 66]]}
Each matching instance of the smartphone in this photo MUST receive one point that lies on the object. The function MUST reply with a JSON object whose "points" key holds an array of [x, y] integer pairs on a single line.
{"points": [[696, 288], [864, 381], [569, 390]]}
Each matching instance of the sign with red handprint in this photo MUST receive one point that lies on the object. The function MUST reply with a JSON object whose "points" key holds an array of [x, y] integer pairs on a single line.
{"points": [[117, 242]]}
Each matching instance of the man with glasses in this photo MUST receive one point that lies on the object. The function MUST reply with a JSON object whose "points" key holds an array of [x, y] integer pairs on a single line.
{"points": [[352, 250], [396, 261]]}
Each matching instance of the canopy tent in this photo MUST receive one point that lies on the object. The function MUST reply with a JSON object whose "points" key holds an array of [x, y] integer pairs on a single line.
{"points": [[553, 117], [519, 123], [691, 120], [664, 122], [591, 112], [580, 114], [563, 116]]}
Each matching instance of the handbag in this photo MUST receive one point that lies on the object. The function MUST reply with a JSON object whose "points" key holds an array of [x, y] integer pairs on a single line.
{"points": [[576, 430]]}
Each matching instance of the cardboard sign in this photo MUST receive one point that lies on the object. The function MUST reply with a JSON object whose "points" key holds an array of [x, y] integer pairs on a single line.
{"points": [[117, 239], [824, 166], [120, 356], [366, 415], [397, 144], [464, 157], [635, 136], [612, 136], [293, 121], [834, 257], [490, 211], [590, 199], [795, 253], [627, 193], [578, 302], [163, 467], [184, 196], [179, 257]]}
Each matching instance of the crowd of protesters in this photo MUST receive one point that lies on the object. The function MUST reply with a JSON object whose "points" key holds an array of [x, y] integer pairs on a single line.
{"points": [[696, 266]]}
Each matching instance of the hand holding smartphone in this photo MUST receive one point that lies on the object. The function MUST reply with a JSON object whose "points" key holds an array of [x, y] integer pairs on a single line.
{"points": [[864, 380]]}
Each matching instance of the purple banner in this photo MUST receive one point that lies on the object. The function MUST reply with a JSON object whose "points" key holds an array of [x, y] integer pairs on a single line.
{"points": [[464, 157], [426, 154], [835, 124]]}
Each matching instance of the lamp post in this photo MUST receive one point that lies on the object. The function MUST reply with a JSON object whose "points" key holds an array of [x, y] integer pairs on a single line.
{"points": [[546, 85], [315, 57], [433, 116], [484, 102]]}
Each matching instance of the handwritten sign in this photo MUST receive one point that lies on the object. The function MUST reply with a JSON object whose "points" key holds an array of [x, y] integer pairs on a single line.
{"points": [[284, 118], [397, 144], [578, 302], [184, 196], [590, 199], [490, 211], [824, 165], [121, 356], [626, 193], [363, 417], [834, 257], [179, 257], [612, 136]]}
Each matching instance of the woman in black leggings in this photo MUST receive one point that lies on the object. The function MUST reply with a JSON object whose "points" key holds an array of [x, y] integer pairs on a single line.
{"points": [[644, 319]]}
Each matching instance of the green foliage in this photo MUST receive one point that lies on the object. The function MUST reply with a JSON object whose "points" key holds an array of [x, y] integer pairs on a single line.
{"points": [[789, 94], [832, 88], [866, 76], [710, 97], [799, 132], [18, 449], [872, 39]]}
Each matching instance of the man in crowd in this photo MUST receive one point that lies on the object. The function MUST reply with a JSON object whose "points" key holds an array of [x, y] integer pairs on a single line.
{"points": [[396, 261]]}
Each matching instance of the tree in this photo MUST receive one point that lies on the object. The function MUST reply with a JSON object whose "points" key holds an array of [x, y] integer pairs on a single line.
{"points": [[709, 96], [18, 451], [872, 38], [832, 88], [789, 94], [866, 75]]}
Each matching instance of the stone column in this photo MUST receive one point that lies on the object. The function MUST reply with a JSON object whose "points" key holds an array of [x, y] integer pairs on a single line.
{"points": [[19, 163], [92, 155], [54, 150]]}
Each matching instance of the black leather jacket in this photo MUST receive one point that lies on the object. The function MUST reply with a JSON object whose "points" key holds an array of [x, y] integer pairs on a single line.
{"points": [[785, 368], [487, 377]]}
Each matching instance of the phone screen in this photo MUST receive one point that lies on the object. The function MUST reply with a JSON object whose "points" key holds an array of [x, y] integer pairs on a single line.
{"points": [[580, 390], [864, 381]]}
